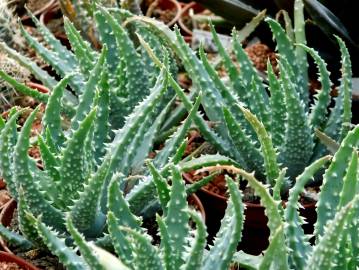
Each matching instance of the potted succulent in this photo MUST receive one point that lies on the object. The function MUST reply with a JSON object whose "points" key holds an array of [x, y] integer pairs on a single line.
{"points": [[168, 11], [267, 140], [289, 248]]}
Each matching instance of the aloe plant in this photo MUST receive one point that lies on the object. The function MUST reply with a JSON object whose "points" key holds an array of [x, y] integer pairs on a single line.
{"points": [[79, 162], [181, 246], [264, 127], [336, 228], [130, 73], [82, 14], [335, 248]]}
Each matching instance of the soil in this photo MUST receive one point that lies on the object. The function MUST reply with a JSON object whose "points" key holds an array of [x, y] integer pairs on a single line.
{"points": [[259, 54], [9, 266], [34, 5], [39, 258], [164, 15]]}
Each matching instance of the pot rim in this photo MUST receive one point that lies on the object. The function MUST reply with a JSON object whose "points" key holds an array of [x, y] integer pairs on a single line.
{"points": [[185, 8], [8, 257], [46, 7], [176, 5], [6, 210], [197, 201], [38, 86], [248, 204]]}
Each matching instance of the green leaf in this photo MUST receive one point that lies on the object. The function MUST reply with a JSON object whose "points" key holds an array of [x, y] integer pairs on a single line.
{"points": [[324, 253], [271, 206], [286, 50], [350, 181], [72, 168], [162, 187], [52, 116], [300, 37], [177, 218], [136, 79], [119, 206], [222, 145], [37, 71], [26, 227], [257, 94], [205, 161], [251, 154], [298, 147], [232, 70], [317, 116], [267, 148], [23, 177], [67, 256], [195, 257], [246, 261], [8, 137], [23, 88], [101, 124], [275, 249], [230, 232], [61, 63], [172, 144], [166, 244], [278, 107], [329, 195], [297, 241], [89, 92], [84, 54], [14, 239], [86, 252], [147, 255], [107, 260]]}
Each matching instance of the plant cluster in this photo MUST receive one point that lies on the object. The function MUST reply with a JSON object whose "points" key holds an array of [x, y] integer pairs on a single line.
{"points": [[278, 130], [86, 203]]}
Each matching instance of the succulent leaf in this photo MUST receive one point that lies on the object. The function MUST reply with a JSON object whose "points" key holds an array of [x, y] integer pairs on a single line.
{"points": [[332, 181], [297, 241], [72, 169], [57, 246], [24, 178], [230, 232], [195, 257]]}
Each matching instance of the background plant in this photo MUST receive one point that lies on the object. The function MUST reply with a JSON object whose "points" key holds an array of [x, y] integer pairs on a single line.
{"points": [[281, 124], [323, 20], [130, 75], [181, 246], [336, 228], [79, 162]]}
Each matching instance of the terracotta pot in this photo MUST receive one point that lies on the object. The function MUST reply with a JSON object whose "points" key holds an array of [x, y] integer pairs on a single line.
{"points": [[41, 88], [196, 8], [166, 5], [46, 7], [11, 258], [6, 215], [255, 231], [196, 202]]}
